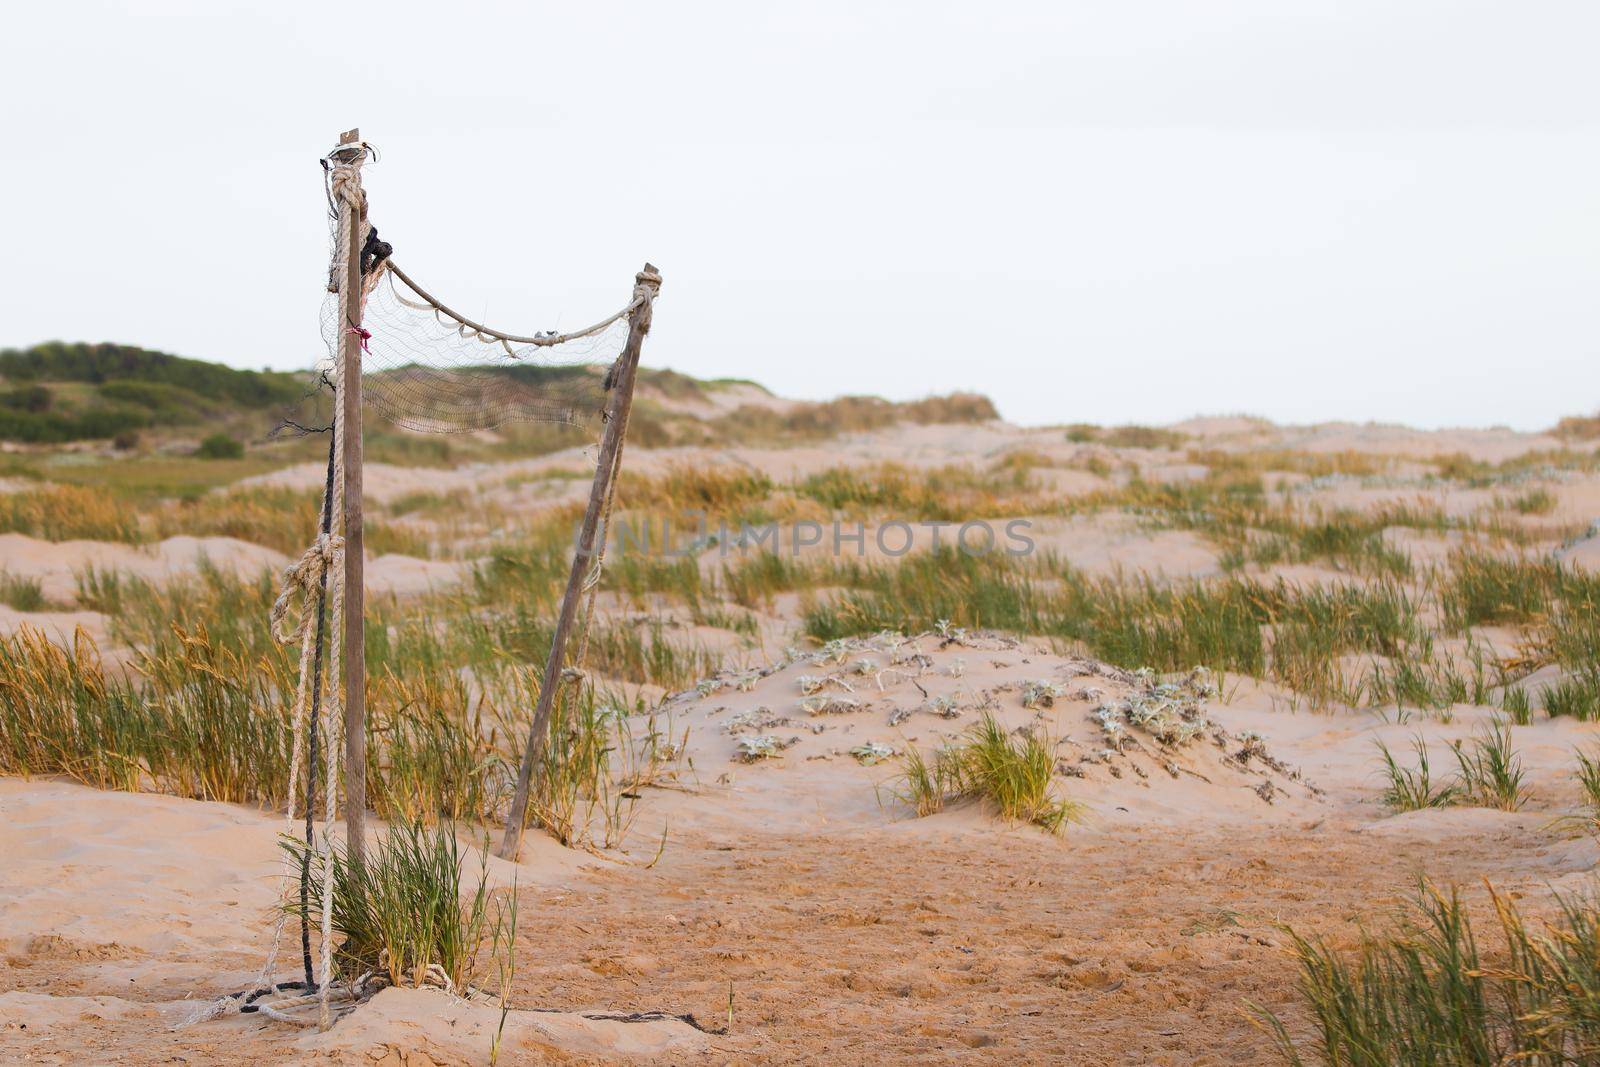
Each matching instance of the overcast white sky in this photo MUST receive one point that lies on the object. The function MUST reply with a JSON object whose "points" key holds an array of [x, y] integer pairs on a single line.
{"points": [[1111, 211]]}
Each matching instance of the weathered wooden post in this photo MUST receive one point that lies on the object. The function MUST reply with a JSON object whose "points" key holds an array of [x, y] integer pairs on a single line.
{"points": [[352, 231], [646, 285]]}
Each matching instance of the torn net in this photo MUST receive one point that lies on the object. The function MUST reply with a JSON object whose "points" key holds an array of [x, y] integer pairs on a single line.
{"points": [[429, 370]]}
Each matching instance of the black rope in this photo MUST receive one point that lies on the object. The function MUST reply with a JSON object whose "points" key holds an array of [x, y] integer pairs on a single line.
{"points": [[316, 710], [250, 996], [374, 251]]}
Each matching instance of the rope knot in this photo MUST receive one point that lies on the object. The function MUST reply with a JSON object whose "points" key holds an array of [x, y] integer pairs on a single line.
{"points": [[646, 287], [304, 575], [345, 182]]}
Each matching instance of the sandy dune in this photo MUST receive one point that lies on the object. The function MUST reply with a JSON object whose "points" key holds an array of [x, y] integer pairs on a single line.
{"points": [[842, 927], [409, 576], [799, 910], [58, 564], [157, 904], [59, 625]]}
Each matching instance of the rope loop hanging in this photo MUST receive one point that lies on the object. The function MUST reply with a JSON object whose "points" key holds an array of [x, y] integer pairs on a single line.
{"points": [[303, 578]]}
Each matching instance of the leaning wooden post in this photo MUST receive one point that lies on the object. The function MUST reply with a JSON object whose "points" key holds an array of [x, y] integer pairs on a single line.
{"points": [[646, 285], [352, 228]]}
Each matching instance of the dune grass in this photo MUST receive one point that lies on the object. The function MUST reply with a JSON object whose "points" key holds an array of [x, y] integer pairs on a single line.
{"points": [[446, 670], [759, 424], [1014, 773], [1169, 626], [22, 592], [717, 490], [204, 723], [1360, 642], [1265, 533], [948, 492], [1577, 697], [1491, 772], [284, 519], [1312, 464], [640, 652], [1517, 706], [639, 575], [437, 753], [1538, 501], [1367, 642], [1567, 634], [398, 909], [1413, 788], [68, 512], [232, 609], [1424, 680], [1315, 625], [280, 519], [1431, 994], [754, 580], [1479, 589], [926, 786], [1587, 774], [504, 618], [597, 760], [1478, 474], [1127, 436], [202, 716]]}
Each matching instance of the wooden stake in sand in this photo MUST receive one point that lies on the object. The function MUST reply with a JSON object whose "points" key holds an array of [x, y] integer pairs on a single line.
{"points": [[433, 381], [351, 228], [647, 284]]}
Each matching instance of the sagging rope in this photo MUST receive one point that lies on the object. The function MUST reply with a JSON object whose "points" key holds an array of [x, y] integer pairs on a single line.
{"points": [[487, 335]]}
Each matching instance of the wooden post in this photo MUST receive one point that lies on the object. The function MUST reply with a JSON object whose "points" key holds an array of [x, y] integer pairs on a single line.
{"points": [[621, 401], [355, 650]]}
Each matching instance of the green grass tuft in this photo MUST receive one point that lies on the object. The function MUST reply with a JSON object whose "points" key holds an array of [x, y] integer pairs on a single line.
{"points": [[1413, 788], [1492, 775], [21, 592], [1430, 995], [398, 906], [1013, 772]]}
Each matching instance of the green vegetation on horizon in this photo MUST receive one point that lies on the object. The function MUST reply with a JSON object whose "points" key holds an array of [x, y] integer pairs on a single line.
{"points": [[58, 392]]}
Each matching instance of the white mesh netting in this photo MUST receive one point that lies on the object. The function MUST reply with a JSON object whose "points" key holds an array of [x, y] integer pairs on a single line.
{"points": [[429, 370]]}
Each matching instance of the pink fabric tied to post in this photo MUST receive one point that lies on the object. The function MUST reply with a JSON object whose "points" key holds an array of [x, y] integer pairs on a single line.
{"points": [[364, 334]]}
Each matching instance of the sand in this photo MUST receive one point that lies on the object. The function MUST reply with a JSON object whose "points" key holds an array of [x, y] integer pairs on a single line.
{"points": [[399, 575], [844, 928], [799, 911], [58, 564], [124, 912]]}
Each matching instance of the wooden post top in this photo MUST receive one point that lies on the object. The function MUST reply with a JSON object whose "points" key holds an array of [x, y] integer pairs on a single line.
{"points": [[350, 147]]}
